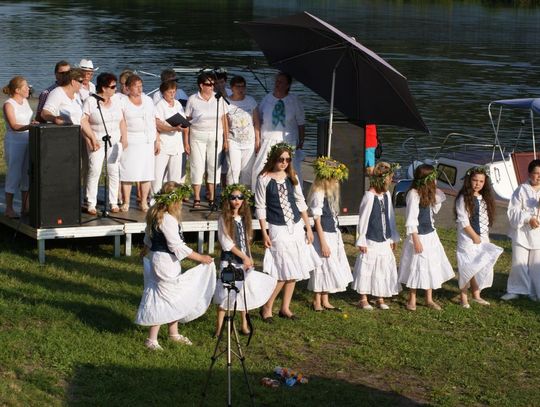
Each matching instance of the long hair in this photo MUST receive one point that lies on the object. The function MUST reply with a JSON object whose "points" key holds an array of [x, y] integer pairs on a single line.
{"points": [[382, 177], [272, 161], [154, 216], [468, 194], [228, 220], [330, 188], [426, 189]]}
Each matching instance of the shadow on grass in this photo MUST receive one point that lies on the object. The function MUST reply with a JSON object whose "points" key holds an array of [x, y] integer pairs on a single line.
{"points": [[114, 385]]}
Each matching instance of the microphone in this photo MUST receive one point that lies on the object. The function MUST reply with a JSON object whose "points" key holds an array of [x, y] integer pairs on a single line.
{"points": [[97, 97], [220, 94]]}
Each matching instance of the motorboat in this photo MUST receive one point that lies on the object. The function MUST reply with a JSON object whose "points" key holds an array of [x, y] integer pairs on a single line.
{"points": [[506, 154]]}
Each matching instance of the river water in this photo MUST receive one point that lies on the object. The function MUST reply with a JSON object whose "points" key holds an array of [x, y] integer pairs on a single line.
{"points": [[457, 56]]}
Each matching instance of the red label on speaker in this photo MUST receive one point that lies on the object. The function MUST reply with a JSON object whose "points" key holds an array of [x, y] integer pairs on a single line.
{"points": [[59, 221]]}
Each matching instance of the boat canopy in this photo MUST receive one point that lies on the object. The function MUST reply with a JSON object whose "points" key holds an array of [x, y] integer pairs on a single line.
{"points": [[529, 103]]}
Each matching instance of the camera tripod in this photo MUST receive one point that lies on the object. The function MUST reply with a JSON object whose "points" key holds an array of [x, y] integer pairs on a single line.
{"points": [[229, 327]]}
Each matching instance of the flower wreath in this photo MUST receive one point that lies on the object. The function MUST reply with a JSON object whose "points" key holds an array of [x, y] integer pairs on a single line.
{"points": [[328, 168], [432, 176], [176, 195], [481, 169], [378, 180], [281, 145], [229, 189]]}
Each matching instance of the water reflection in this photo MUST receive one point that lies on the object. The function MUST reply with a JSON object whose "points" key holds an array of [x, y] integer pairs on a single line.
{"points": [[456, 56]]}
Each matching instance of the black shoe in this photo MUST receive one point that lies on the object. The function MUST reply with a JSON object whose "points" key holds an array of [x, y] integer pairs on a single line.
{"points": [[268, 320], [335, 309], [317, 310], [291, 317]]}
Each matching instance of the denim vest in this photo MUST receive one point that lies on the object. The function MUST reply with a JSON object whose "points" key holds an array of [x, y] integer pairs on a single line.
{"points": [[328, 221], [474, 219], [424, 220], [159, 242], [274, 213], [228, 255], [375, 226]]}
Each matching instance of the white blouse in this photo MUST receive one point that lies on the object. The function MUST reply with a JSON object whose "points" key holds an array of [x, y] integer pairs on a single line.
{"points": [[366, 205], [413, 209], [524, 204], [169, 227]]}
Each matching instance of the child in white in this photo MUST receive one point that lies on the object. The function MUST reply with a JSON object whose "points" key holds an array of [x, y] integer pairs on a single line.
{"points": [[169, 295], [235, 235], [334, 274], [375, 271], [424, 263], [476, 256]]}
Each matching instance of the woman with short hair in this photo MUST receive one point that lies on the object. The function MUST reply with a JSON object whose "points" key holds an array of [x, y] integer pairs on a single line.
{"points": [[63, 105]]}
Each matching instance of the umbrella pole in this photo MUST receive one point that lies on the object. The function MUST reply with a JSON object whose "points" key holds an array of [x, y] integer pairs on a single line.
{"points": [[331, 121]]}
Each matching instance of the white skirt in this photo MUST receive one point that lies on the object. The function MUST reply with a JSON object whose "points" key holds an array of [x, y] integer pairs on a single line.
{"points": [[429, 269], [477, 260], [182, 299], [334, 274], [258, 288], [290, 257], [137, 163], [375, 272]]}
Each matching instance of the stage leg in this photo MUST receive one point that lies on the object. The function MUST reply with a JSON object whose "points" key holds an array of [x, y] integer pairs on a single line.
{"points": [[117, 246], [200, 242], [211, 241], [128, 244], [41, 251]]}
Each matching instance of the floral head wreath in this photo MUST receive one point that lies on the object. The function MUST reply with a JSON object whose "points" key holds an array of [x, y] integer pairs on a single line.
{"points": [[328, 168], [432, 176], [481, 169], [280, 146], [229, 189], [176, 195], [378, 181]]}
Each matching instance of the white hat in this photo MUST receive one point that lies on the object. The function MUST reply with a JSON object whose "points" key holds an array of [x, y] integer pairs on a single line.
{"points": [[87, 64]]}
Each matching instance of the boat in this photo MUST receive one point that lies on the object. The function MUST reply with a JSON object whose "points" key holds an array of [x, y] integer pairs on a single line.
{"points": [[506, 154]]}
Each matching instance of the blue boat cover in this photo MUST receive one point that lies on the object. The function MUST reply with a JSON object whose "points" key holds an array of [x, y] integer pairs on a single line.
{"points": [[530, 103]]}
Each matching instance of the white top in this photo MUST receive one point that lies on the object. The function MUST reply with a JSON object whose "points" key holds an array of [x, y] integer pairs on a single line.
{"points": [[260, 195], [60, 104], [23, 116], [171, 141], [524, 205], [294, 117], [225, 240], [111, 114], [413, 209], [241, 128], [366, 205], [140, 120], [85, 93], [463, 220], [169, 227], [203, 113], [180, 95]]}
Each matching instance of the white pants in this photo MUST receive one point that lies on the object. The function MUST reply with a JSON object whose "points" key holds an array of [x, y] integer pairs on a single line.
{"points": [[95, 164], [241, 159], [524, 277], [202, 146], [169, 167], [16, 156]]}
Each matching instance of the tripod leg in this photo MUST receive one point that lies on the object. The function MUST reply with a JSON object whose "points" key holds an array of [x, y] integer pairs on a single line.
{"points": [[213, 359], [242, 359]]}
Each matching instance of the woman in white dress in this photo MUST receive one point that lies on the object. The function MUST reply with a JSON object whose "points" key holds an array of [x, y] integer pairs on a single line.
{"points": [[524, 216], [18, 117], [202, 110], [95, 126], [335, 272], [424, 264], [375, 271], [170, 296], [137, 161], [281, 208], [282, 120], [244, 133], [169, 160]]}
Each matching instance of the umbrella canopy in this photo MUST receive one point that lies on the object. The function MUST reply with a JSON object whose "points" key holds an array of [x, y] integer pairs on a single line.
{"points": [[360, 84]]}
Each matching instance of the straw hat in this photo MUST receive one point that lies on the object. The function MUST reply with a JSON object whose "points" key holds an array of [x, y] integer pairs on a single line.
{"points": [[87, 65]]}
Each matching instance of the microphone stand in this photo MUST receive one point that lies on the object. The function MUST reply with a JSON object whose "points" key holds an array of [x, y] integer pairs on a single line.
{"points": [[107, 143]]}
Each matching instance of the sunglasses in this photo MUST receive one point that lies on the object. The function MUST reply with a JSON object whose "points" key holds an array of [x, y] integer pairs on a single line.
{"points": [[208, 84], [236, 197], [80, 80], [284, 160], [111, 86]]}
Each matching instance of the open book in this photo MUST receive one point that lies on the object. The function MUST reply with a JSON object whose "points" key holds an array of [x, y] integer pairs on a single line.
{"points": [[177, 119]]}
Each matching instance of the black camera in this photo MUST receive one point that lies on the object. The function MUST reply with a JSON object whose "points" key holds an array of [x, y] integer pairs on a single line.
{"points": [[230, 274]]}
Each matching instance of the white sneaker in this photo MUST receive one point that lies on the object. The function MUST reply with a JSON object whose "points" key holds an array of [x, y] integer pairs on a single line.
{"points": [[367, 306], [152, 344], [509, 297], [383, 306], [180, 339], [466, 306]]}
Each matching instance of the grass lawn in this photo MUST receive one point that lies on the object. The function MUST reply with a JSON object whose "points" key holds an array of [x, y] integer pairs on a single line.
{"points": [[67, 338]]}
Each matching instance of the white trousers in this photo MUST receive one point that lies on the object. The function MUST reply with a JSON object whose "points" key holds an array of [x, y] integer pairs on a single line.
{"points": [[202, 146], [524, 277], [240, 159], [16, 156], [167, 168], [95, 164]]}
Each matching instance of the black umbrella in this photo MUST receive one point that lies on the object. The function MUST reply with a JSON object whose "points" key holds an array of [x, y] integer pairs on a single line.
{"points": [[359, 83]]}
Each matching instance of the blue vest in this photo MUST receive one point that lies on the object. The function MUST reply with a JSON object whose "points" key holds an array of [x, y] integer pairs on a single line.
{"points": [[474, 219], [274, 213], [375, 226], [424, 220], [328, 222], [159, 242], [228, 255]]}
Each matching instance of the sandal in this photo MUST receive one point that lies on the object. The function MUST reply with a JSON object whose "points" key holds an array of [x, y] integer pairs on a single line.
{"points": [[196, 203], [180, 339], [152, 344], [124, 207]]}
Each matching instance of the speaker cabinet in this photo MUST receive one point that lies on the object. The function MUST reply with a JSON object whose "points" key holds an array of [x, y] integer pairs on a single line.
{"points": [[55, 191], [348, 147]]}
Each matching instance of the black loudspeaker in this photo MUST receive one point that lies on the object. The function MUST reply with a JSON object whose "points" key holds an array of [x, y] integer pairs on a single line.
{"points": [[55, 190], [348, 146]]}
